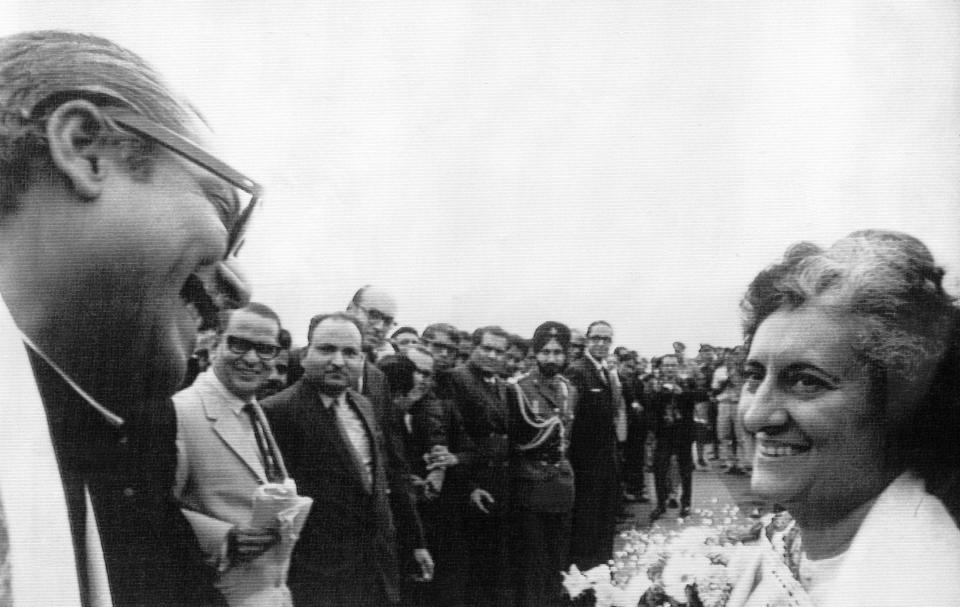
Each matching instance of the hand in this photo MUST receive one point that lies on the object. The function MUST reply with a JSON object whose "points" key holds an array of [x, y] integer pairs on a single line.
{"points": [[440, 457], [433, 484], [419, 390], [425, 561], [481, 497], [244, 545]]}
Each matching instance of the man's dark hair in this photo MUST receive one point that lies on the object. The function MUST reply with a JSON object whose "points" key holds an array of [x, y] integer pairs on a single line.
{"points": [[450, 331], [39, 71], [224, 316], [596, 323], [515, 341], [403, 330], [492, 330], [285, 339], [344, 316]]}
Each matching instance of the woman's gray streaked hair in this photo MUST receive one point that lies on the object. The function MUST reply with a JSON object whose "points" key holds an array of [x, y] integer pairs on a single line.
{"points": [[887, 281], [906, 327]]}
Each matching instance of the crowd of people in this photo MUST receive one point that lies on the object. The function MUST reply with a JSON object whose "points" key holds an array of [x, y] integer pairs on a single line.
{"points": [[435, 468], [517, 453]]}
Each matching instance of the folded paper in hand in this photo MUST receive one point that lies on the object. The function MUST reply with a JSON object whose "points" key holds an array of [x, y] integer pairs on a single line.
{"points": [[277, 506]]}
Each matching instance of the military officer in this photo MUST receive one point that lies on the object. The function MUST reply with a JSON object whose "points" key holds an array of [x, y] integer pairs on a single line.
{"points": [[541, 406]]}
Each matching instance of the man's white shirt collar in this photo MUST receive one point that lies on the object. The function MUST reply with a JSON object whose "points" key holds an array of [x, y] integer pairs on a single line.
{"points": [[236, 404], [40, 546]]}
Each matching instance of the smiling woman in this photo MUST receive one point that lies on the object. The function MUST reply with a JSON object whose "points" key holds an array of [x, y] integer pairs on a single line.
{"points": [[851, 393]]}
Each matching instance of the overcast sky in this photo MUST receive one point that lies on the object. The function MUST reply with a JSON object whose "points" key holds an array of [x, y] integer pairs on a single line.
{"points": [[514, 162]]}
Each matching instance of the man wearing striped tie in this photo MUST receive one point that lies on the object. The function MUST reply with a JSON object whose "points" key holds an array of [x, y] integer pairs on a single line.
{"points": [[225, 451]]}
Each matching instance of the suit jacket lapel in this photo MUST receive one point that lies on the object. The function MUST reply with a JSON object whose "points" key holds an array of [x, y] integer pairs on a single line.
{"points": [[232, 432]]}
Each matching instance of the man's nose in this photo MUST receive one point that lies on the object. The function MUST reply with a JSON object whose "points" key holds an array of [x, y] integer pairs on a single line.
{"points": [[231, 289], [250, 357], [337, 359]]}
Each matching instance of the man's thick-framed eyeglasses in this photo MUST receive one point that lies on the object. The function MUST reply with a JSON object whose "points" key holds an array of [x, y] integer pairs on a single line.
{"points": [[374, 316], [234, 212], [241, 346], [180, 145], [441, 346]]}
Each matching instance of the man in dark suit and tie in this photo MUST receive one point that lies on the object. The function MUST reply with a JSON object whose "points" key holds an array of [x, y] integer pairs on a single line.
{"points": [[337, 451], [479, 395], [593, 451]]}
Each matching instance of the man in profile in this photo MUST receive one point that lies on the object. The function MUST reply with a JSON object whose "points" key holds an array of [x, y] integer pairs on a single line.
{"points": [[116, 228]]}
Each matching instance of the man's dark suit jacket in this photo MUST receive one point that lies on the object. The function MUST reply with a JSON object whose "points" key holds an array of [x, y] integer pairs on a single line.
{"points": [[593, 454], [151, 554], [482, 407], [346, 554]]}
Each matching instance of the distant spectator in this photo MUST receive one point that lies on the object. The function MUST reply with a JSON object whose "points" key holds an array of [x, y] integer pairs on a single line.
{"points": [[577, 344], [403, 338], [277, 379], [513, 361], [671, 410], [376, 310], [593, 451]]}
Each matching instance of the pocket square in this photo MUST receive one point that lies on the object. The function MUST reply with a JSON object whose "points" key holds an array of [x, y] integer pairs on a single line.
{"points": [[596, 389]]}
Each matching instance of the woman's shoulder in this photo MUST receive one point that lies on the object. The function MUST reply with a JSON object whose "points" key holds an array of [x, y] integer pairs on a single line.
{"points": [[907, 548]]}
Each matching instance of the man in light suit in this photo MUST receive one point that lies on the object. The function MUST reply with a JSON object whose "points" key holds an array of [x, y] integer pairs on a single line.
{"points": [[335, 448], [224, 455]]}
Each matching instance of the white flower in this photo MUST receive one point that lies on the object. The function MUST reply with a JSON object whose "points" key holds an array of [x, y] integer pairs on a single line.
{"points": [[598, 575], [629, 595], [575, 582], [692, 539], [605, 592], [681, 571]]}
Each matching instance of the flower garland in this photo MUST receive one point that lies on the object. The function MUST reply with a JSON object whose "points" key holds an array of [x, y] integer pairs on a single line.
{"points": [[695, 565]]}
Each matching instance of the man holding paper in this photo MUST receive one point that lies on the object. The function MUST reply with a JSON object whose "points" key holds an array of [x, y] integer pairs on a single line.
{"points": [[227, 456]]}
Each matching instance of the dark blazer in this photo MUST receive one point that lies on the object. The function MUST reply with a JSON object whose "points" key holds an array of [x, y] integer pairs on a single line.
{"points": [[658, 400], [593, 439], [151, 554], [593, 454], [483, 410], [346, 554]]}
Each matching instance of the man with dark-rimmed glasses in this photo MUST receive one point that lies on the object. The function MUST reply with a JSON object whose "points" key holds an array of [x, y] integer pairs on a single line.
{"points": [[117, 240]]}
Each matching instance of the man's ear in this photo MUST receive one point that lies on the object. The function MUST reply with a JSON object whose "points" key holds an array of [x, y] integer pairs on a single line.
{"points": [[74, 132]]}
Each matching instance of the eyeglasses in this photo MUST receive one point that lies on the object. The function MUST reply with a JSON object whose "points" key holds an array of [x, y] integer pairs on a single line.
{"points": [[177, 143], [442, 347], [375, 316], [241, 346], [600, 339], [228, 205]]}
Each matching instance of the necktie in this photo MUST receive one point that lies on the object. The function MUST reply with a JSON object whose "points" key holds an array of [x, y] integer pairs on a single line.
{"points": [[270, 466], [355, 437]]}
